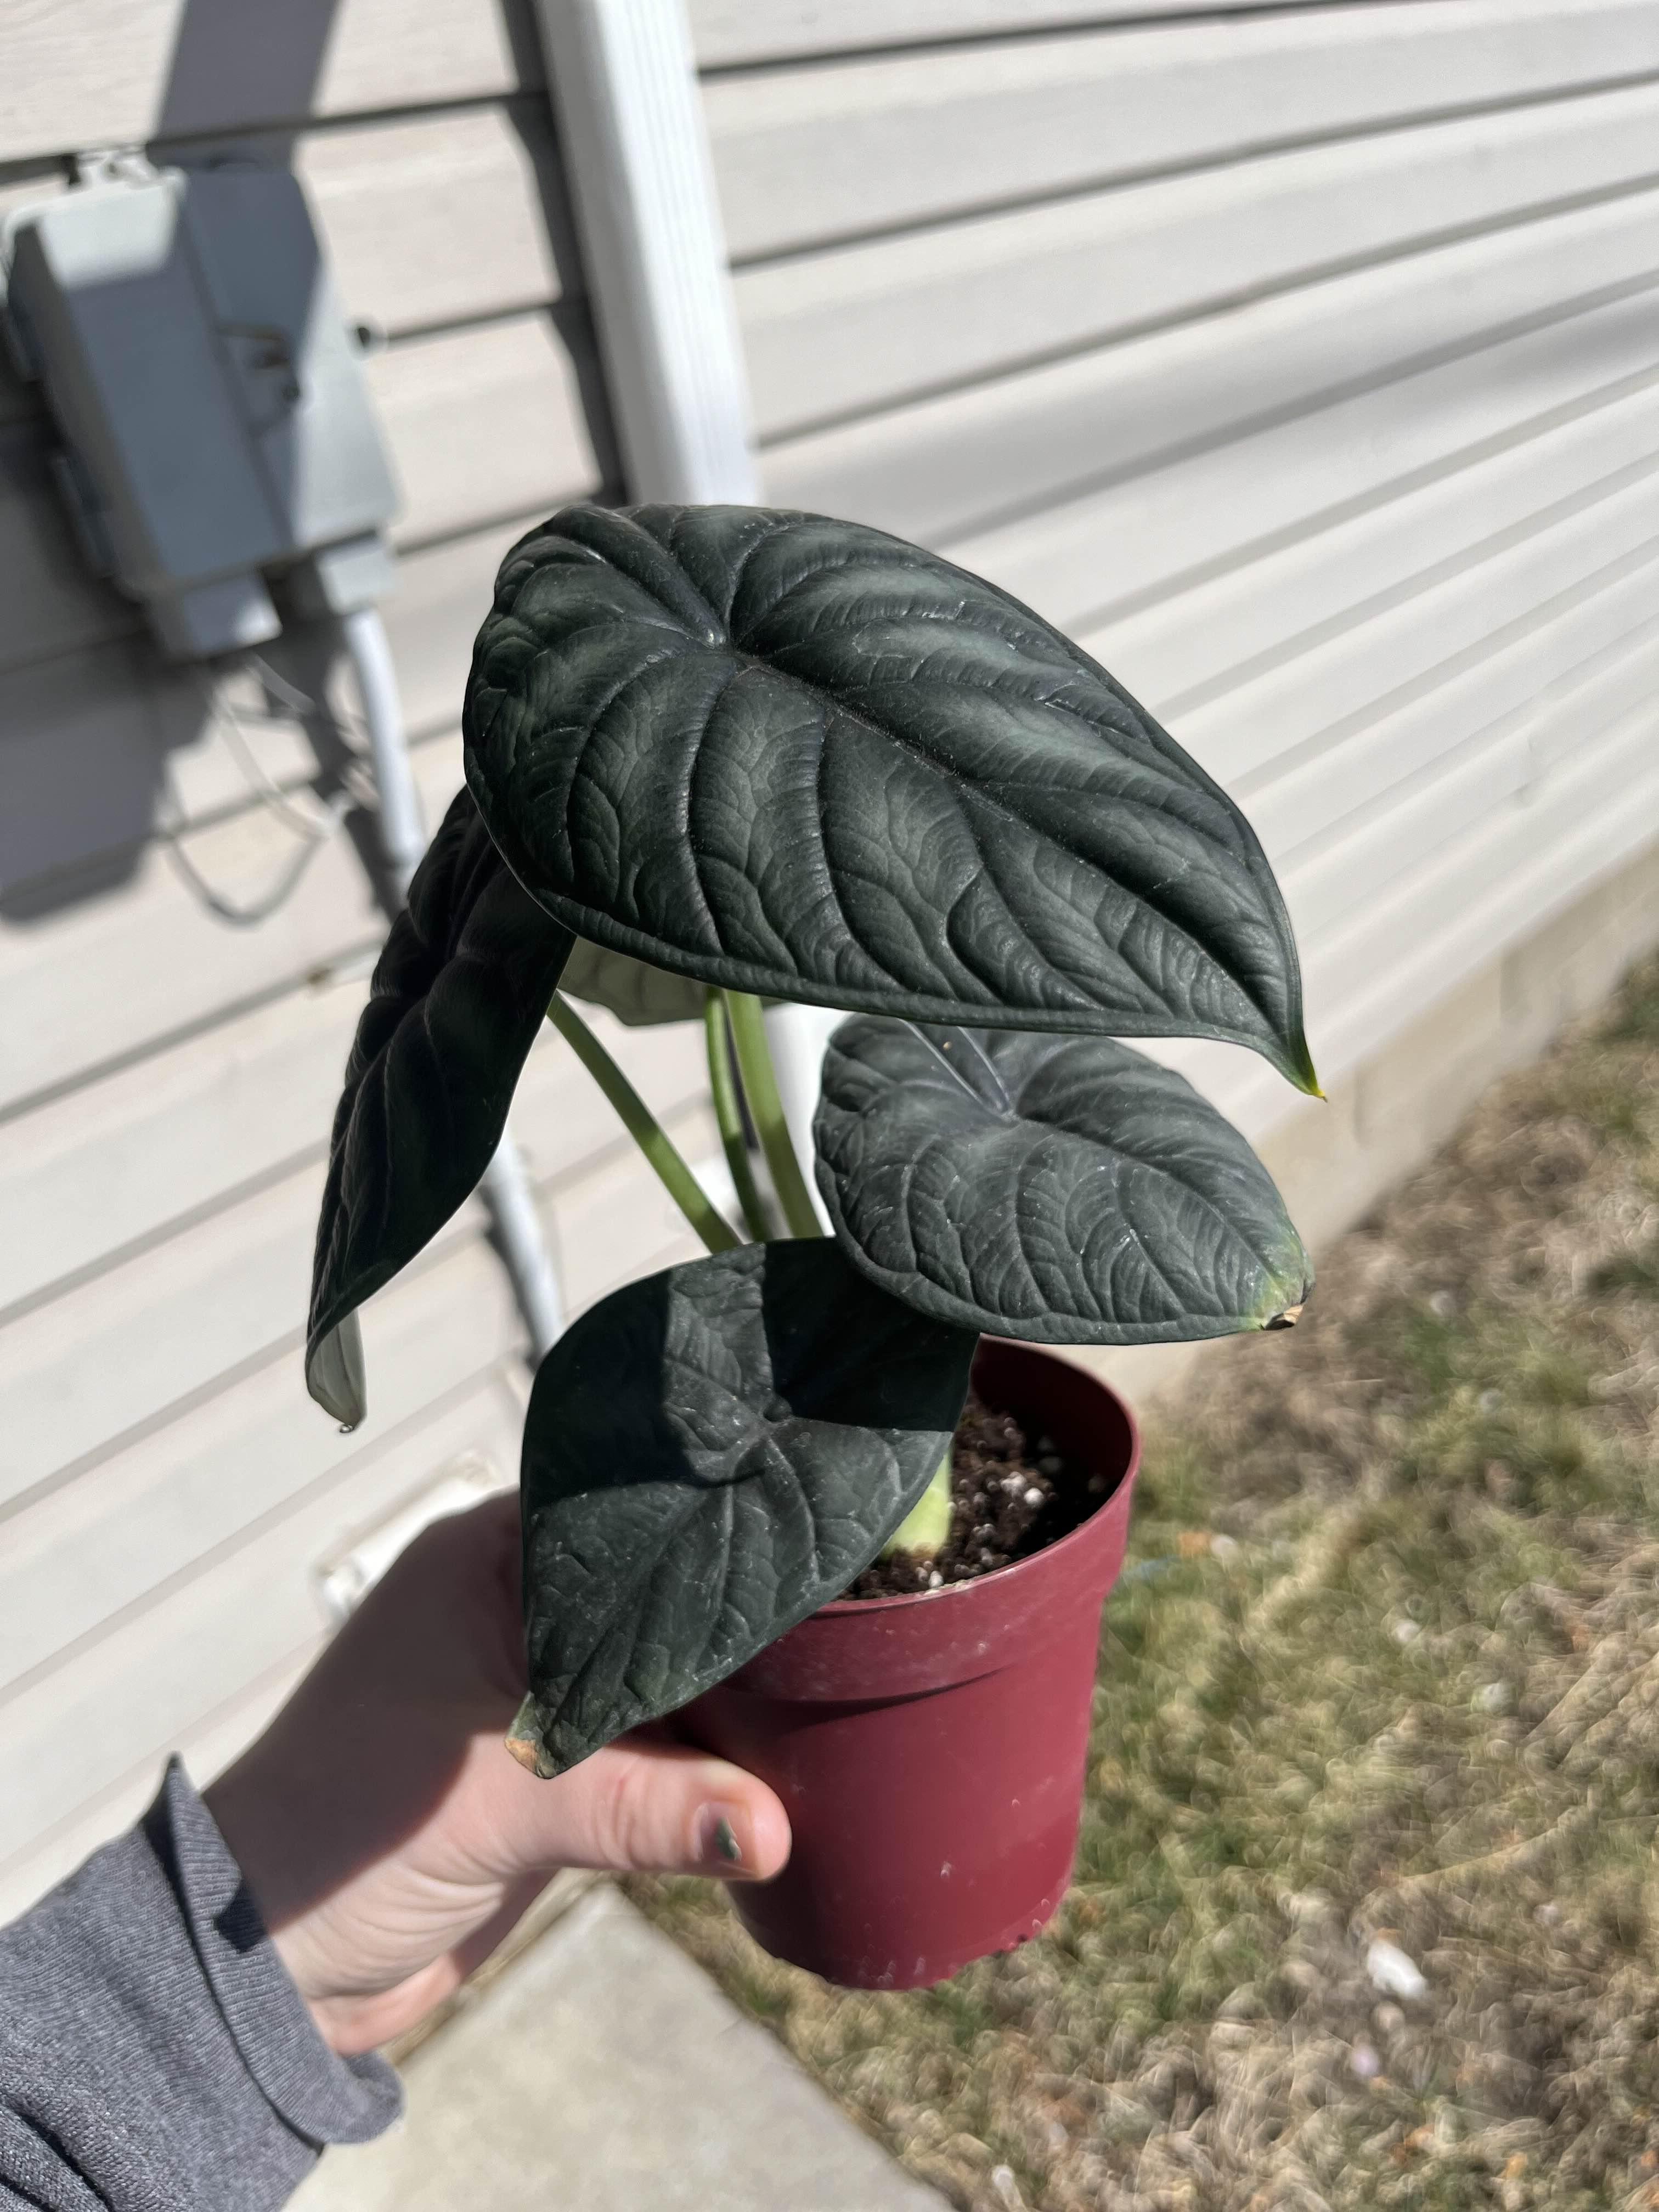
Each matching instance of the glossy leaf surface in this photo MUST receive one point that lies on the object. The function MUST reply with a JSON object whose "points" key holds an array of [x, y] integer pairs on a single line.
{"points": [[710, 1454], [1066, 1190], [801, 758], [454, 1006]]}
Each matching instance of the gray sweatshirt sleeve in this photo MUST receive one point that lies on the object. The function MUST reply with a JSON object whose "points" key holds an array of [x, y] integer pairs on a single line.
{"points": [[154, 2056]]}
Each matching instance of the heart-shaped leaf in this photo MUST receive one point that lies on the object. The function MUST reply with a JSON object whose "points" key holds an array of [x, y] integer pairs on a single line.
{"points": [[453, 1008], [709, 1455], [640, 995], [1066, 1190], [801, 758]]}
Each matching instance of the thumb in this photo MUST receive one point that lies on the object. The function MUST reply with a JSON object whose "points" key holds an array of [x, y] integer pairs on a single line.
{"points": [[645, 1805]]}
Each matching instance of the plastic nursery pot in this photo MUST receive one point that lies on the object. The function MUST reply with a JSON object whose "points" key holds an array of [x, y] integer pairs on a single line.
{"points": [[931, 1748]]}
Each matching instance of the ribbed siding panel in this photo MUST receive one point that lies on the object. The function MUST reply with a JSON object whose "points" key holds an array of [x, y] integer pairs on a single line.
{"points": [[1297, 362], [167, 1083]]}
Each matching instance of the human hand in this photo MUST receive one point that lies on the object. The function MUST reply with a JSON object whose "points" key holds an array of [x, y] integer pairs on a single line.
{"points": [[388, 1837]]}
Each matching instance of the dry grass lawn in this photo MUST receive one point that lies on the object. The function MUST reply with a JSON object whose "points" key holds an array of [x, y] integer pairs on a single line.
{"points": [[1415, 1695]]}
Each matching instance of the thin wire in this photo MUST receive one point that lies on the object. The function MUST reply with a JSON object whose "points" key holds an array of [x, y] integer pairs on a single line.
{"points": [[288, 880], [314, 829], [227, 717], [301, 703]]}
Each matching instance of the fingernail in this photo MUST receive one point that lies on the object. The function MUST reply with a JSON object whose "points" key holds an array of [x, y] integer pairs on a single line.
{"points": [[718, 1848]]}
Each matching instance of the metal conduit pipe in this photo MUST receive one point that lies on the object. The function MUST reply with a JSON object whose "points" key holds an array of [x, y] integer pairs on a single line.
{"points": [[505, 1188], [623, 79]]}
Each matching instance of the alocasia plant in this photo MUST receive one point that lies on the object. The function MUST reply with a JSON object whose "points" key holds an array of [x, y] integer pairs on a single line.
{"points": [[718, 755]]}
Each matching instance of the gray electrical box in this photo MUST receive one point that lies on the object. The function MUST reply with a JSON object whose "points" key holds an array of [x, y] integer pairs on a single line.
{"points": [[218, 433]]}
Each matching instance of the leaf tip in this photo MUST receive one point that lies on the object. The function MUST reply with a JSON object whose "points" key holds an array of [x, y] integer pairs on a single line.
{"points": [[1288, 1318], [521, 1752], [335, 1375], [1302, 1070], [522, 1743]]}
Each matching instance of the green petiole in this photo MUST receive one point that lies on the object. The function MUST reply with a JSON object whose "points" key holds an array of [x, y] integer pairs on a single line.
{"points": [[728, 1113], [647, 1132], [925, 1526], [760, 1087]]}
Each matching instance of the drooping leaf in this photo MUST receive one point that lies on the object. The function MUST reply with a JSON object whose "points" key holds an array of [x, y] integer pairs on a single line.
{"points": [[1066, 1190], [802, 758], [453, 1008], [709, 1455], [640, 995]]}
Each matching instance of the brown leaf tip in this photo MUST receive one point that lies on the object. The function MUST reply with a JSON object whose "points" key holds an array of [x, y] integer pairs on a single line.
{"points": [[521, 1749]]}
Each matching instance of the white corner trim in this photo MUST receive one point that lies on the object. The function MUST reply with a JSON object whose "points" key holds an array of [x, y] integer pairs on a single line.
{"points": [[636, 156]]}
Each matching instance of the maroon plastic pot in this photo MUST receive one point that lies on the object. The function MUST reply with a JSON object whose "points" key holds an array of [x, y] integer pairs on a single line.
{"points": [[930, 1749]]}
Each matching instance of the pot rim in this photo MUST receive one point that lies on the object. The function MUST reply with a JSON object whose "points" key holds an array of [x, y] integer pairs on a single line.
{"points": [[842, 1606]]}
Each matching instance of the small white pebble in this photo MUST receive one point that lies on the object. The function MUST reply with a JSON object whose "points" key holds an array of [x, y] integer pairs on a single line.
{"points": [[1364, 2061], [1491, 1402], [1548, 1912], [1495, 1698], [1034, 1496], [934, 1579], [1443, 1305], [1225, 1548], [1394, 1971], [1405, 1631], [1002, 2180]]}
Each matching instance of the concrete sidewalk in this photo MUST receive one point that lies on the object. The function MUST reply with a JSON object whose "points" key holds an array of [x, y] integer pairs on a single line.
{"points": [[604, 2072]]}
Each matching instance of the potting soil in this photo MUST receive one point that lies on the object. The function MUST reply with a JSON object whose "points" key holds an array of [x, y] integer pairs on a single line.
{"points": [[1009, 1496]]}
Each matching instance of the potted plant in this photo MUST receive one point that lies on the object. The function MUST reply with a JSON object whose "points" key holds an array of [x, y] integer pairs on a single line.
{"points": [[719, 756]]}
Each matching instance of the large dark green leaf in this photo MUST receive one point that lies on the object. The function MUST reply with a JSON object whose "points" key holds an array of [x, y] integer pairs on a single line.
{"points": [[709, 1455], [1066, 1190], [454, 1009], [639, 995], [802, 758]]}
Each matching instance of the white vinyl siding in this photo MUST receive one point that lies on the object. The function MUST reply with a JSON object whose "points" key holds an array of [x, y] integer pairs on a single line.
{"points": [[1301, 362], [167, 1083]]}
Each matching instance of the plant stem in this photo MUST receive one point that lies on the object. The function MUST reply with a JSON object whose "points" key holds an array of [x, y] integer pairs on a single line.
{"points": [[925, 1526], [643, 1126], [761, 1089], [728, 1112]]}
